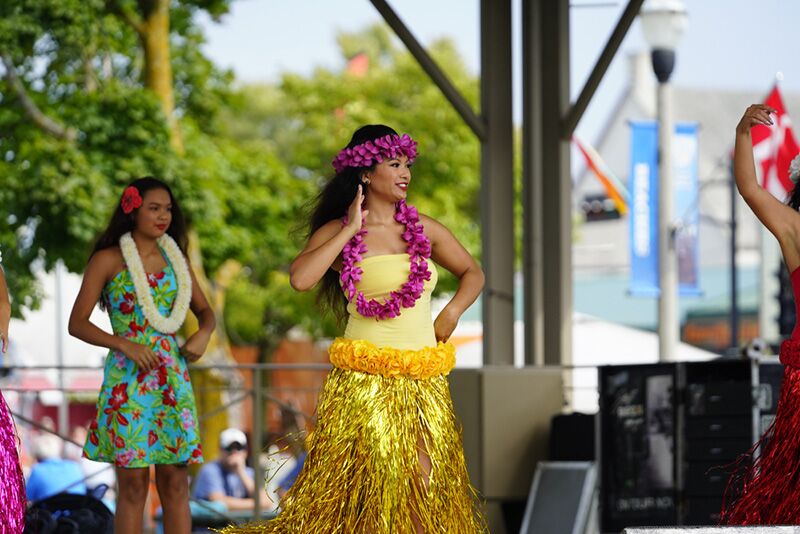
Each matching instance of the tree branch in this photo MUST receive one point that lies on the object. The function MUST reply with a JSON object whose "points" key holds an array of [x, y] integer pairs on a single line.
{"points": [[131, 18], [89, 77], [33, 112], [148, 7]]}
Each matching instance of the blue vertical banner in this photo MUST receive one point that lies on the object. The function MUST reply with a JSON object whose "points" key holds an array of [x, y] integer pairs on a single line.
{"points": [[643, 229], [644, 187], [687, 212]]}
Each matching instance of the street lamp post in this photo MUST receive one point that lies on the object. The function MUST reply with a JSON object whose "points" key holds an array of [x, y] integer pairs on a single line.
{"points": [[663, 22]]}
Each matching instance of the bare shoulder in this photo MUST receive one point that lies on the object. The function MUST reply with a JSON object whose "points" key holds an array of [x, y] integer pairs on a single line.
{"points": [[427, 221], [106, 263], [327, 230], [433, 228]]}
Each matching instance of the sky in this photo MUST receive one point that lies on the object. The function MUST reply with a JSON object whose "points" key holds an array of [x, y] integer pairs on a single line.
{"points": [[728, 44]]}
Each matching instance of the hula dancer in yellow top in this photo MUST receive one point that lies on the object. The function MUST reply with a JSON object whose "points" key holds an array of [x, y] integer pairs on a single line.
{"points": [[386, 454]]}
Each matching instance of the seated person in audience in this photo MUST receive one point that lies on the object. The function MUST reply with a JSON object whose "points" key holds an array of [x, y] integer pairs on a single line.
{"points": [[290, 478], [228, 479], [52, 474]]}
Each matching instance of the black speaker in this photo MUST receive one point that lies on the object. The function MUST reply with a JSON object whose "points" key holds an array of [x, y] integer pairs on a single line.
{"points": [[667, 431], [637, 440]]}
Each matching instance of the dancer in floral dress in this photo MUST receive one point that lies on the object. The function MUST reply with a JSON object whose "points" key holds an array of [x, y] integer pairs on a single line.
{"points": [[146, 409]]}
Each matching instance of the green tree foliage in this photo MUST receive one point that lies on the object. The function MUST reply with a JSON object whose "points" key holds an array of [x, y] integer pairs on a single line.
{"points": [[74, 126], [77, 122]]}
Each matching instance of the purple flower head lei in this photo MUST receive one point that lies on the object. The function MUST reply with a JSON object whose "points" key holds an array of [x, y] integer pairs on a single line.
{"points": [[418, 247], [371, 152]]}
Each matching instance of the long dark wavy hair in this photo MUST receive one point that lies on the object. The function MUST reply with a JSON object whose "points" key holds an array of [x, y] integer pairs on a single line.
{"points": [[332, 203], [793, 198], [122, 223]]}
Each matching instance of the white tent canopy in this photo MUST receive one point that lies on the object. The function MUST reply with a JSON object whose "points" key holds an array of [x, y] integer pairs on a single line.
{"points": [[34, 340], [594, 343]]}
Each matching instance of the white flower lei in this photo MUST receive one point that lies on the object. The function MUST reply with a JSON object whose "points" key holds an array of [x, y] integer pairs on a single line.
{"points": [[165, 325], [794, 169]]}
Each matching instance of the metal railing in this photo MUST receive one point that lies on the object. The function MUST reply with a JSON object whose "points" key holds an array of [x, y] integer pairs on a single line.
{"points": [[260, 395], [257, 393]]}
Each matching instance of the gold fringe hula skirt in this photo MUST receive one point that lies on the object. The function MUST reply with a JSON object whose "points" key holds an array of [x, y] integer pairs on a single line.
{"points": [[386, 450]]}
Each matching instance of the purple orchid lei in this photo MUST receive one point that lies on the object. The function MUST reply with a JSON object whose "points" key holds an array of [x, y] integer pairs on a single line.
{"points": [[418, 248], [371, 152]]}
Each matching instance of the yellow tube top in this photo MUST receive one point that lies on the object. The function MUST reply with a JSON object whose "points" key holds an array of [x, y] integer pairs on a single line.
{"points": [[413, 328]]}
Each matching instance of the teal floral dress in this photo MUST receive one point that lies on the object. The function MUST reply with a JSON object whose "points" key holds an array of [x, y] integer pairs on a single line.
{"points": [[144, 418]]}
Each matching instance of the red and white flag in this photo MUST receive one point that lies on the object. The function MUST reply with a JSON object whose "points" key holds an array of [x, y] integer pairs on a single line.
{"points": [[774, 147]]}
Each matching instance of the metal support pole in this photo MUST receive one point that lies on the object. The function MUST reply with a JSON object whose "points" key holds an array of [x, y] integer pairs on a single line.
{"points": [[497, 184], [532, 262], [768, 308], [533, 305], [258, 434], [668, 328], [556, 183], [63, 407], [427, 63], [734, 271], [603, 62]]}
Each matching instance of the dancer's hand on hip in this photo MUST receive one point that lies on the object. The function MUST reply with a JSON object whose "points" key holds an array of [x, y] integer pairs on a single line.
{"points": [[141, 355], [444, 324], [195, 346]]}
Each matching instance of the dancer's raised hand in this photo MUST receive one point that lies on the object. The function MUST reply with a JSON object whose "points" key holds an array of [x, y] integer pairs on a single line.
{"points": [[755, 114], [356, 213], [781, 220]]}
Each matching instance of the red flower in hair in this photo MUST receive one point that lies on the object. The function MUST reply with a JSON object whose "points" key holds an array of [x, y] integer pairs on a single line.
{"points": [[131, 199]]}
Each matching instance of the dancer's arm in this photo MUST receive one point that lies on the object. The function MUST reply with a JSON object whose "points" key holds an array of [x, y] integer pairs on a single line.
{"points": [[325, 246], [196, 345], [781, 220], [450, 254], [5, 311], [250, 486], [100, 269], [238, 503], [210, 486]]}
